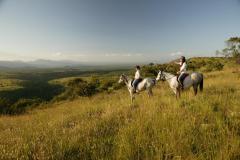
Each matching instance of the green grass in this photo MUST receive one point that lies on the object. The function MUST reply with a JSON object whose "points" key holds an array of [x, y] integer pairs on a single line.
{"points": [[21, 90], [106, 126], [10, 84]]}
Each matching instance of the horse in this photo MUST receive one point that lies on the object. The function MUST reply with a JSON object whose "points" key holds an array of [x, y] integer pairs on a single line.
{"points": [[194, 79], [145, 84]]}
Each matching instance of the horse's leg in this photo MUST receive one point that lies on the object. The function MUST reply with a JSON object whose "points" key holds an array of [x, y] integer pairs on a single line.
{"points": [[177, 93], [195, 88], [131, 98], [201, 85], [150, 93]]}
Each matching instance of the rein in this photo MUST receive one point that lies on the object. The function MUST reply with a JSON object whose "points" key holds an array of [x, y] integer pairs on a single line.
{"points": [[126, 79]]}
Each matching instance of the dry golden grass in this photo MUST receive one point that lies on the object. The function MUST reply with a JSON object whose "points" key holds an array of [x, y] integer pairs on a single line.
{"points": [[106, 126]]}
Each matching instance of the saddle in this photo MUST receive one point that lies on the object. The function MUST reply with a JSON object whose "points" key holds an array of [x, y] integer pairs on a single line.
{"points": [[139, 80], [182, 78]]}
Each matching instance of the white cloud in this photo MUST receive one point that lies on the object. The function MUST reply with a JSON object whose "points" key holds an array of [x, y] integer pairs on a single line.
{"points": [[111, 55], [5, 56], [57, 54], [123, 55], [60, 55], [139, 54], [178, 53], [66, 56]]}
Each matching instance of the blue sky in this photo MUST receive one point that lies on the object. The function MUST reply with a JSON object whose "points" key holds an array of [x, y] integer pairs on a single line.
{"points": [[115, 30]]}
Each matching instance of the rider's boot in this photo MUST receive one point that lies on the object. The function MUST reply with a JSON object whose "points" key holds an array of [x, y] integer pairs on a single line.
{"points": [[180, 84]]}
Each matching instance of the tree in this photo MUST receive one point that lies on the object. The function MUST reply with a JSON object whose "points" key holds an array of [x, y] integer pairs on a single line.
{"points": [[233, 48]]}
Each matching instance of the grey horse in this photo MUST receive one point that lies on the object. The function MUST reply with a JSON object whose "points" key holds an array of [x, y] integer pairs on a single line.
{"points": [[193, 79], [145, 84]]}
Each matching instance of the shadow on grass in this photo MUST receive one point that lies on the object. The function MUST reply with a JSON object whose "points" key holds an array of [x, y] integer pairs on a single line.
{"points": [[30, 95], [36, 89]]}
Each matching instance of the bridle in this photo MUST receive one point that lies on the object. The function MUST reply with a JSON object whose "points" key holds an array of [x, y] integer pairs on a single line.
{"points": [[124, 78]]}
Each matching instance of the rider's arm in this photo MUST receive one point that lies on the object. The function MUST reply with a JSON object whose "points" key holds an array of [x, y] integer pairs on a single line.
{"points": [[179, 63], [183, 67]]}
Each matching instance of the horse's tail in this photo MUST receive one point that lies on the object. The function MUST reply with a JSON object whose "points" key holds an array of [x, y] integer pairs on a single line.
{"points": [[201, 84]]}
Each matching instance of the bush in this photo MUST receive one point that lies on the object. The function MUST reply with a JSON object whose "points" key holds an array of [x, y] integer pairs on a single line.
{"points": [[4, 104], [7, 107], [79, 87], [106, 84], [22, 105], [172, 68], [213, 66], [195, 64], [149, 71]]}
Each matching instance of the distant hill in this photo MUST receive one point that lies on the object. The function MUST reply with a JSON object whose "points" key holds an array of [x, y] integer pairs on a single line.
{"points": [[12, 64], [40, 63], [45, 64]]}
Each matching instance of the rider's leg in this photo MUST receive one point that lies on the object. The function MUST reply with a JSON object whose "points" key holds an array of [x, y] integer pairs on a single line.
{"points": [[134, 85], [180, 80], [136, 82]]}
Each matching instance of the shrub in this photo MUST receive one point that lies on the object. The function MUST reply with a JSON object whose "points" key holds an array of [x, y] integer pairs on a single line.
{"points": [[149, 71], [213, 66], [4, 104], [194, 64], [106, 84], [172, 68], [22, 105], [80, 87]]}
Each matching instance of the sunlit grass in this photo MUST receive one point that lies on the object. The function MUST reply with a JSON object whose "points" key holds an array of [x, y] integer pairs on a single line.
{"points": [[10, 84], [106, 126]]}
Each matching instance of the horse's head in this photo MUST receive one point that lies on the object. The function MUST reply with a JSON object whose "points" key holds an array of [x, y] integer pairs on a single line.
{"points": [[160, 76], [122, 78]]}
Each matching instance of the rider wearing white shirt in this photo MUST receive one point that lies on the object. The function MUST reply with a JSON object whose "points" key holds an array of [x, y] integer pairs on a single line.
{"points": [[137, 78], [137, 74], [183, 69]]}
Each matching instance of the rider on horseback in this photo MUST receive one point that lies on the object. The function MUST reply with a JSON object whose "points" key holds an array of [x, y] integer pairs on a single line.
{"points": [[182, 71], [137, 78]]}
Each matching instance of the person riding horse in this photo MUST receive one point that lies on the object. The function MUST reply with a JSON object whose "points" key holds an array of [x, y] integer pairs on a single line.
{"points": [[137, 78], [183, 70]]}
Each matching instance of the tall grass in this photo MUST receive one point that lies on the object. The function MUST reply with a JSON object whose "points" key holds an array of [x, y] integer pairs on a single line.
{"points": [[106, 126]]}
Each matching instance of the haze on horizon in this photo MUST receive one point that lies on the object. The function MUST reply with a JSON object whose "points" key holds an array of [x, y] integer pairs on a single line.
{"points": [[115, 30]]}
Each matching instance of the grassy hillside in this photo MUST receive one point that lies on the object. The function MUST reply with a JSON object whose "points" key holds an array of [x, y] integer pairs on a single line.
{"points": [[26, 89], [106, 126]]}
